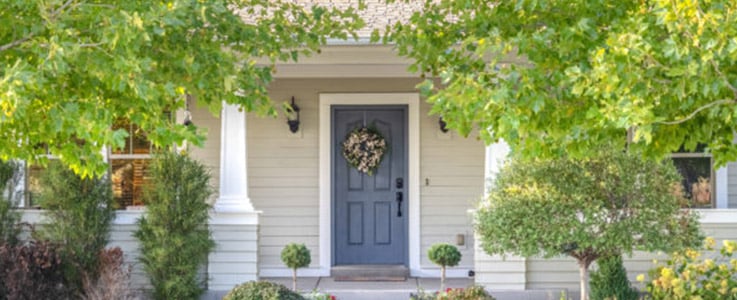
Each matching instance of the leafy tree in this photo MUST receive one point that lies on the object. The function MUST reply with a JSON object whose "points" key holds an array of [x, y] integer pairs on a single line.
{"points": [[558, 76], [295, 256], [586, 208], [70, 68]]}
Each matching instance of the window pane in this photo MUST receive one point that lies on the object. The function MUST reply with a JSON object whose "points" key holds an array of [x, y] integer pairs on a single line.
{"points": [[129, 177], [33, 185], [697, 181]]}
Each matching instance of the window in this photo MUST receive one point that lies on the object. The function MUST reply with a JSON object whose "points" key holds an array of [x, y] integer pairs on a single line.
{"points": [[129, 166], [128, 169], [698, 177]]}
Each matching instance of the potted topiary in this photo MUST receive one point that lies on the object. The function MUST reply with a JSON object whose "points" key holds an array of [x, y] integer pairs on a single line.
{"points": [[444, 255], [295, 256]]}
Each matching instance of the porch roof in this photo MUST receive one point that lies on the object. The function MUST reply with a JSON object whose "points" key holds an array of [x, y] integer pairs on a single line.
{"points": [[377, 14]]}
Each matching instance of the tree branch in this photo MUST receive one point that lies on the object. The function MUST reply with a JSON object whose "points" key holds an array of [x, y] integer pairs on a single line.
{"points": [[693, 114], [52, 16], [16, 42], [726, 80]]}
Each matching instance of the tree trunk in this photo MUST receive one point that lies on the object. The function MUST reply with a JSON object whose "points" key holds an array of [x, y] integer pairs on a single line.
{"points": [[442, 278], [294, 279], [583, 269]]}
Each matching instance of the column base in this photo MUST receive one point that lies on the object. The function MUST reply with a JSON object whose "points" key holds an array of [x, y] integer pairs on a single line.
{"points": [[233, 204], [235, 258]]}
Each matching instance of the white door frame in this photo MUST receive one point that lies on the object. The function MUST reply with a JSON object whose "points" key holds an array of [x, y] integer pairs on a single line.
{"points": [[326, 101]]}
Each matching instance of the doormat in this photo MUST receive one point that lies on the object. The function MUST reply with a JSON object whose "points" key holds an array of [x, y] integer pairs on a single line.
{"points": [[369, 278]]}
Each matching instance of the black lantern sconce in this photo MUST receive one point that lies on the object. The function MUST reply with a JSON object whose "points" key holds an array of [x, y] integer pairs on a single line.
{"points": [[187, 115], [442, 125], [293, 117]]}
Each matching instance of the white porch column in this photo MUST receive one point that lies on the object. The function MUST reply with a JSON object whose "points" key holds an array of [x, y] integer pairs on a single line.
{"points": [[233, 177], [497, 272], [234, 223]]}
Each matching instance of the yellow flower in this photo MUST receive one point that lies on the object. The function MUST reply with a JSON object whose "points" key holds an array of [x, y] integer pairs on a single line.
{"points": [[666, 273], [641, 277], [692, 254], [709, 242], [709, 263], [729, 246]]}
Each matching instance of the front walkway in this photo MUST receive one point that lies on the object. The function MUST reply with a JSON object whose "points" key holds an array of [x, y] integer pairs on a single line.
{"points": [[370, 290], [400, 290]]}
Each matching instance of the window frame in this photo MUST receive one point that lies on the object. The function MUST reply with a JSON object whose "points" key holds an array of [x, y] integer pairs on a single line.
{"points": [[712, 177]]}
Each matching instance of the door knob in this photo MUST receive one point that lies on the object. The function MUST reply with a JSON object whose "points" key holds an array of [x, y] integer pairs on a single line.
{"points": [[399, 199]]}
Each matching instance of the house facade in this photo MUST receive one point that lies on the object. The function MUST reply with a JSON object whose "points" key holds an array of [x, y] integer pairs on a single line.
{"points": [[277, 186]]}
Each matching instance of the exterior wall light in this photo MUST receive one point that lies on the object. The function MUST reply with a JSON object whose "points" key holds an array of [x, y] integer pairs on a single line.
{"points": [[442, 125], [293, 116], [187, 115]]}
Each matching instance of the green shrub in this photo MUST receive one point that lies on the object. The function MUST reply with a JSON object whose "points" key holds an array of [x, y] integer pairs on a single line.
{"points": [[80, 212], [295, 256], [33, 270], [688, 275], [174, 237], [473, 292], [610, 281], [262, 290], [9, 219], [444, 255]]}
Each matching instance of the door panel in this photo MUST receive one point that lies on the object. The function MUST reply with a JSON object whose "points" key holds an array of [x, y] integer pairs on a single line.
{"points": [[367, 224]]}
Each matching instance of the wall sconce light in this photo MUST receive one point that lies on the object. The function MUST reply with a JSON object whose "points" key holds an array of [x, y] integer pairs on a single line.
{"points": [[293, 117], [187, 115], [442, 125]]}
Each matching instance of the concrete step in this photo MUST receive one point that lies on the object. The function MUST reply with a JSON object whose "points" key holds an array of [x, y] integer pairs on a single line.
{"points": [[370, 273]]}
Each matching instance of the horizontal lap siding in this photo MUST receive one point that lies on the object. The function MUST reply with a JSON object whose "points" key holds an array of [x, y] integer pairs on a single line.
{"points": [[563, 272], [732, 184], [451, 179], [283, 168], [122, 236], [209, 153]]}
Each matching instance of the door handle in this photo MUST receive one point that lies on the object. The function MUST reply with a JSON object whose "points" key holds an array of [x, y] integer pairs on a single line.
{"points": [[399, 199]]}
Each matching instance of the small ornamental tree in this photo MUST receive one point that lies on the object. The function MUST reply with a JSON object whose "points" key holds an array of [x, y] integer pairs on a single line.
{"points": [[444, 255], [588, 208], [174, 236], [80, 213], [295, 256]]}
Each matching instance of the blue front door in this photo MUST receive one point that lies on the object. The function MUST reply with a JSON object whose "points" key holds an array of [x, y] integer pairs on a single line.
{"points": [[370, 211]]}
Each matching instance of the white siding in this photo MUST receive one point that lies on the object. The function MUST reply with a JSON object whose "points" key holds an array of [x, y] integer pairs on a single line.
{"points": [[732, 184], [283, 171], [209, 153], [563, 272], [122, 236], [452, 180]]}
